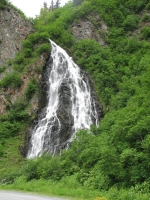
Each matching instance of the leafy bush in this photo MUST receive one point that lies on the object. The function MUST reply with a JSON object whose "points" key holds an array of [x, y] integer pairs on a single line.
{"points": [[145, 32], [130, 23], [9, 62], [11, 80], [2, 69], [145, 18], [34, 38], [77, 2], [18, 67], [2, 6], [1, 150], [43, 48], [148, 6], [38, 37], [18, 115], [9, 129], [27, 52], [19, 59], [27, 44], [136, 5], [12, 123], [31, 89]]}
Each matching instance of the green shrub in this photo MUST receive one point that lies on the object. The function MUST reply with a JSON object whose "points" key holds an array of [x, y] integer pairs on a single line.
{"points": [[148, 6], [31, 89], [12, 123], [19, 59], [145, 18], [9, 62], [2, 6], [27, 52], [34, 38], [18, 115], [9, 129], [44, 36], [49, 168], [130, 23], [145, 32], [37, 37], [18, 67], [11, 80], [55, 32], [43, 48], [27, 44], [2, 69], [77, 2], [29, 170], [1, 150], [136, 5]]}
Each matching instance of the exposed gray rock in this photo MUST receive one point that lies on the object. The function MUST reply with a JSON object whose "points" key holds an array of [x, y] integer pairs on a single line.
{"points": [[13, 30], [93, 28]]}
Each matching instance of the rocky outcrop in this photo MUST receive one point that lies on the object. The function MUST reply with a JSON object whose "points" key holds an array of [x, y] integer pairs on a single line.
{"points": [[10, 95], [90, 28], [13, 30]]}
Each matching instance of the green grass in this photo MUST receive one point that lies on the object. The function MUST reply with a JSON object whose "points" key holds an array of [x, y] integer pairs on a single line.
{"points": [[68, 188], [11, 159], [64, 188]]}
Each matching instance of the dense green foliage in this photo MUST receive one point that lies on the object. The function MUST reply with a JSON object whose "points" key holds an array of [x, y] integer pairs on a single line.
{"points": [[31, 89], [14, 120], [11, 80], [3, 4], [116, 155]]}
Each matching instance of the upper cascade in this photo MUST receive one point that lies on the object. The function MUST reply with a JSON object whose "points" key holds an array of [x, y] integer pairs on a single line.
{"points": [[70, 105]]}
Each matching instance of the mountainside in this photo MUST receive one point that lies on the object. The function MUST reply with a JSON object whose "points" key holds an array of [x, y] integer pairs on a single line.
{"points": [[20, 73], [13, 30], [110, 41]]}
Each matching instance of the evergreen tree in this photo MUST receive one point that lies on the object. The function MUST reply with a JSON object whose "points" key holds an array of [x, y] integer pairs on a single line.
{"points": [[51, 8], [77, 2], [45, 5], [57, 4]]}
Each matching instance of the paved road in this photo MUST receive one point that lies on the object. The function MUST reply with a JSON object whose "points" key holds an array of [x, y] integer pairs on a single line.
{"points": [[8, 195]]}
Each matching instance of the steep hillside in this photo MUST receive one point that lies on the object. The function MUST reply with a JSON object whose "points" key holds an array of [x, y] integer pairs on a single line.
{"points": [[13, 30], [110, 41], [20, 70]]}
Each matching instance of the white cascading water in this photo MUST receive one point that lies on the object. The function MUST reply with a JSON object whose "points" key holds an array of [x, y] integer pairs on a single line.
{"points": [[83, 108]]}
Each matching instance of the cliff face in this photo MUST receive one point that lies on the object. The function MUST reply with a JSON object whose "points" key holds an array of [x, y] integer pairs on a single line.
{"points": [[90, 28], [13, 30]]}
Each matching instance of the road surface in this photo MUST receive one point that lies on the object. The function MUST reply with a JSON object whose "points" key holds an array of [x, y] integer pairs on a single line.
{"points": [[8, 195]]}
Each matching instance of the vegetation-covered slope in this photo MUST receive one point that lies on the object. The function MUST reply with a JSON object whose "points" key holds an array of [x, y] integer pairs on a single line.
{"points": [[117, 154]]}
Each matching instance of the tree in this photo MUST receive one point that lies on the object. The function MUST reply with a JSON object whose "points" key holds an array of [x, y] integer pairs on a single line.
{"points": [[51, 6], [45, 5], [57, 4], [77, 2]]}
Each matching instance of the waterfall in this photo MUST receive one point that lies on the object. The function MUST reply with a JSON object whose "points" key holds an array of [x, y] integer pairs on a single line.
{"points": [[70, 106]]}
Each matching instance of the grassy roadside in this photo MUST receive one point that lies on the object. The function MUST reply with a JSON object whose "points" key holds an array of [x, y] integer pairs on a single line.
{"points": [[64, 188], [69, 188]]}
